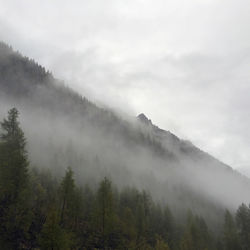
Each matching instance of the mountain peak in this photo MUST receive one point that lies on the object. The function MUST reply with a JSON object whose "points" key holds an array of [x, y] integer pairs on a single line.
{"points": [[5, 49], [144, 119]]}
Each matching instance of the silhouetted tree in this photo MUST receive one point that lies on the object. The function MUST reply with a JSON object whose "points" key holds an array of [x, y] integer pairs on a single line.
{"points": [[15, 218]]}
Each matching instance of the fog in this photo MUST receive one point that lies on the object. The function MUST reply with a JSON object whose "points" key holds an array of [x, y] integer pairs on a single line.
{"points": [[185, 64], [98, 143], [105, 138]]}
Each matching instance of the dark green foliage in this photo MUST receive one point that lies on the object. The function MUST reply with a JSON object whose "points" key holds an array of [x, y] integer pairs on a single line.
{"points": [[196, 235], [243, 223], [105, 209], [67, 197], [14, 171], [15, 216], [53, 237], [230, 236]]}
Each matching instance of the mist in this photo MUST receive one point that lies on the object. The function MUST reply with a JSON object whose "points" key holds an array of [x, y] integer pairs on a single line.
{"points": [[124, 125], [184, 64], [98, 142]]}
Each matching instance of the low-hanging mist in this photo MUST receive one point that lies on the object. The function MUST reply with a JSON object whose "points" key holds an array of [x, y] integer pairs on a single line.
{"points": [[64, 129]]}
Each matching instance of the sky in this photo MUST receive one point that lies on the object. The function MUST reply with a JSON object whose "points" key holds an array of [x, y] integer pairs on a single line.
{"points": [[185, 64]]}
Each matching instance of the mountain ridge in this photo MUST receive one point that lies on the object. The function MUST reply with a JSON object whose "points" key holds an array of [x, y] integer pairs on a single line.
{"points": [[45, 76], [186, 143], [72, 131]]}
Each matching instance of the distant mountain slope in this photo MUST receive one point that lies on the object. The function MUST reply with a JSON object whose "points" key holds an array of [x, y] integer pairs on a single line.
{"points": [[64, 128], [184, 147]]}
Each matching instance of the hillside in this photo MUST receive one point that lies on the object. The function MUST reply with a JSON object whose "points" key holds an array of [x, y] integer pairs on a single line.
{"points": [[96, 142]]}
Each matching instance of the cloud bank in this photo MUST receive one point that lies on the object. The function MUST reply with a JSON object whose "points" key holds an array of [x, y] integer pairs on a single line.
{"points": [[184, 63]]}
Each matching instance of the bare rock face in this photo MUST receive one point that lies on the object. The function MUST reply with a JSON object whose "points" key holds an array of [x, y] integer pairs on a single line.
{"points": [[143, 118]]}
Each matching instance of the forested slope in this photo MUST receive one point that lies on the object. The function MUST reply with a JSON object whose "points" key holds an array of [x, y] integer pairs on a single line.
{"points": [[65, 129]]}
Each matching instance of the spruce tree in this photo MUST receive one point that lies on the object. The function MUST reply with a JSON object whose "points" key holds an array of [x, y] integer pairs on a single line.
{"points": [[67, 194], [14, 183], [105, 209], [243, 224], [230, 237], [53, 237]]}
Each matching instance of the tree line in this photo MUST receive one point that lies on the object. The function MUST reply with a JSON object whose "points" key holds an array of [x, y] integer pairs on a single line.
{"points": [[38, 211]]}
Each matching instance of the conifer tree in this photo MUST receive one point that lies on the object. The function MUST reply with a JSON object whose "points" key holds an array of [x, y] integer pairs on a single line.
{"points": [[53, 237], [230, 237], [67, 194], [105, 209], [14, 183], [14, 163], [243, 224]]}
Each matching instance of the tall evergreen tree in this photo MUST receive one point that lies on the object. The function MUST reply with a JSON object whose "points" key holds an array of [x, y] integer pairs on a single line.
{"points": [[14, 183], [53, 237], [67, 194], [14, 163], [230, 237], [105, 210], [196, 235], [243, 224]]}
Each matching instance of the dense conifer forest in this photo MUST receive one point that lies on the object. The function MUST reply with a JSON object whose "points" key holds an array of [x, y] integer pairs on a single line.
{"points": [[40, 211]]}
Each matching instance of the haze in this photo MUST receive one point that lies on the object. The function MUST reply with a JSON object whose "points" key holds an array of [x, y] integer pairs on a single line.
{"points": [[183, 63]]}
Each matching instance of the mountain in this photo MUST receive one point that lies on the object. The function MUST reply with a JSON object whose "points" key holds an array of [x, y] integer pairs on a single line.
{"points": [[65, 129]]}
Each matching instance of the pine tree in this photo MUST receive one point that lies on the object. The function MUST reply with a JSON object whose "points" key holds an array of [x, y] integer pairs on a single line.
{"points": [[67, 194], [230, 237], [53, 237], [243, 224], [196, 235], [14, 163], [14, 183], [105, 210]]}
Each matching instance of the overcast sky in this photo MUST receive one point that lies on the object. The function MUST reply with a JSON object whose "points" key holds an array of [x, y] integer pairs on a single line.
{"points": [[185, 64]]}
